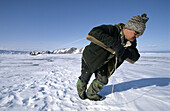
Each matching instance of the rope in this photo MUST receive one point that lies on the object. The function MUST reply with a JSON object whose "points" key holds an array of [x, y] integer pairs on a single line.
{"points": [[116, 59], [72, 42], [115, 69]]}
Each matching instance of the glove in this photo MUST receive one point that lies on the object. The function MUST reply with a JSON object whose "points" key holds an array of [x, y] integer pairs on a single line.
{"points": [[134, 54], [119, 49], [126, 54]]}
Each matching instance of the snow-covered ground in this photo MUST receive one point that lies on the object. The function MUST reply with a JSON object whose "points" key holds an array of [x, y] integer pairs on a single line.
{"points": [[48, 83]]}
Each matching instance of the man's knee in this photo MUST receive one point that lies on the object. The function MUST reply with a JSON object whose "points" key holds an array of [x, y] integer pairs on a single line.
{"points": [[85, 73]]}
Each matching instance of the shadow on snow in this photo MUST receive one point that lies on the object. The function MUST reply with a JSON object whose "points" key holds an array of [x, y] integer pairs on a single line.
{"points": [[135, 84]]}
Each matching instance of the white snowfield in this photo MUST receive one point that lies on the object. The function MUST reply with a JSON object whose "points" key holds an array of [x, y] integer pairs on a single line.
{"points": [[48, 83]]}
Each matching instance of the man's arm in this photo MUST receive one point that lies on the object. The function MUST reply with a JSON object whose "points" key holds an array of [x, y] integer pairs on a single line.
{"points": [[134, 56], [103, 34], [131, 53]]}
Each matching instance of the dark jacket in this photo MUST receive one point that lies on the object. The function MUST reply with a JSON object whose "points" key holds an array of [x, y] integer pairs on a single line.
{"points": [[95, 56]]}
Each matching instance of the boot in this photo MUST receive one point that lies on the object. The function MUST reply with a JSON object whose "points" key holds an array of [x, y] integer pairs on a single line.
{"points": [[81, 89], [94, 88]]}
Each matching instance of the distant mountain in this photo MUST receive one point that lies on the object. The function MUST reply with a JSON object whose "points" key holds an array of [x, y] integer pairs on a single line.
{"points": [[68, 51], [72, 50], [12, 52]]}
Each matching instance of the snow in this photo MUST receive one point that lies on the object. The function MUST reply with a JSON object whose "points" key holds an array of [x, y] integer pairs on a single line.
{"points": [[48, 83]]}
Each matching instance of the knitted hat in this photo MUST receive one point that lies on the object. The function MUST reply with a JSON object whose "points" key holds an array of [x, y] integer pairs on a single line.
{"points": [[137, 23]]}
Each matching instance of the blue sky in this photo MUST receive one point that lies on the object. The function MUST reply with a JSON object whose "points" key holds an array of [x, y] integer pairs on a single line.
{"points": [[54, 24]]}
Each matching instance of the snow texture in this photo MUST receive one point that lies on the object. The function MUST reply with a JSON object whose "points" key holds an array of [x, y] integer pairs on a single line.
{"points": [[48, 83]]}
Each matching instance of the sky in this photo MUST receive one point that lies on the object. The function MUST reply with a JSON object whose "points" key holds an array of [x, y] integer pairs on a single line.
{"points": [[54, 24]]}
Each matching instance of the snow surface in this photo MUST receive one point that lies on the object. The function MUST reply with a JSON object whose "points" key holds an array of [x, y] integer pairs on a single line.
{"points": [[48, 83]]}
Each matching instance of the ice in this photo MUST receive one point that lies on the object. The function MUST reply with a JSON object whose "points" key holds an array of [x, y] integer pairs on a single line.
{"points": [[48, 83]]}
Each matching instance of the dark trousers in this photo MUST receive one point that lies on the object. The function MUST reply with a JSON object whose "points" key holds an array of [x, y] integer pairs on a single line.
{"points": [[100, 74]]}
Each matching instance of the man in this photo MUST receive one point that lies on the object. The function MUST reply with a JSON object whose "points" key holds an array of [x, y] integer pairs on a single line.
{"points": [[95, 59]]}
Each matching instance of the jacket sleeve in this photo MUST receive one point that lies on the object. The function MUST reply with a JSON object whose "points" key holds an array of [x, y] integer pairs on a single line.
{"points": [[134, 54], [108, 35]]}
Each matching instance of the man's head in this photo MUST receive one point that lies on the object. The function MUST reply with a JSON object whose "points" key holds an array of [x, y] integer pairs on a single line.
{"points": [[135, 27]]}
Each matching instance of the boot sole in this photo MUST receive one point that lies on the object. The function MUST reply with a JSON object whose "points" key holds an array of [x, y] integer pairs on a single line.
{"points": [[94, 99]]}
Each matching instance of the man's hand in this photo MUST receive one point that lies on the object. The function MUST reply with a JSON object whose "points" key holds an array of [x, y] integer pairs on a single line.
{"points": [[126, 54]]}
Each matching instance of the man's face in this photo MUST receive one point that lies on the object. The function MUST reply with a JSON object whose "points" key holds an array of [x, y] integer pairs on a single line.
{"points": [[130, 34]]}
